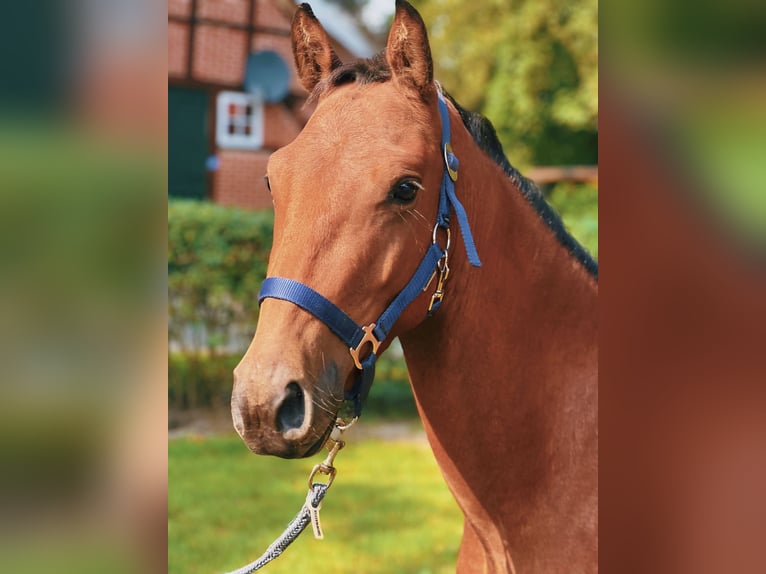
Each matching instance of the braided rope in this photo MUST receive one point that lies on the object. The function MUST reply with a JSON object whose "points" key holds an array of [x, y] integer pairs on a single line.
{"points": [[293, 530]]}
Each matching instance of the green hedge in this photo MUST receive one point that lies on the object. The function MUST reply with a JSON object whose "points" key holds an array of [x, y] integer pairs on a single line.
{"points": [[217, 259], [391, 396], [198, 381]]}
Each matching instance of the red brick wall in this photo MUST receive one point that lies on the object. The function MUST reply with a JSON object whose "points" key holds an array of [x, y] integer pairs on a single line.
{"points": [[219, 54], [234, 11], [179, 8], [178, 42], [218, 62], [239, 180], [267, 15]]}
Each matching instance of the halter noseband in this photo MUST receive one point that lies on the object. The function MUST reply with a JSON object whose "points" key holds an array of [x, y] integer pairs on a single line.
{"points": [[435, 259]]}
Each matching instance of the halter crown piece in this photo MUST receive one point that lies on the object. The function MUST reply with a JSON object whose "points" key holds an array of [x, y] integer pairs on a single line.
{"points": [[435, 259]]}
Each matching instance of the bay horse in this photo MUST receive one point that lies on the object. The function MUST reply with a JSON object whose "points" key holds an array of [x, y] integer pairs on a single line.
{"points": [[504, 364]]}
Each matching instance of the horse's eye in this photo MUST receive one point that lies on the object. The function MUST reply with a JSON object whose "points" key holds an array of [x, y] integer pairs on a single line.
{"points": [[268, 185], [404, 191]]}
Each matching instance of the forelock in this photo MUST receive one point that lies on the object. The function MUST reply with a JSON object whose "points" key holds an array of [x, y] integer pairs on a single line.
{"points": [[364, 71]]}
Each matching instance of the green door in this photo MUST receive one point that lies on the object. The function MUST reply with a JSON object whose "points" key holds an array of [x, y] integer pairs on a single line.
{"points": [[187, 142]]}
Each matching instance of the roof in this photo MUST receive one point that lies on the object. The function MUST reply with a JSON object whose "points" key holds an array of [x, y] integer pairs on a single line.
{"points": [[342, 27]]}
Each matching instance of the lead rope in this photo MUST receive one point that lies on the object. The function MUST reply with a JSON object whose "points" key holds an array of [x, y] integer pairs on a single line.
{"points": [[309, 513]]}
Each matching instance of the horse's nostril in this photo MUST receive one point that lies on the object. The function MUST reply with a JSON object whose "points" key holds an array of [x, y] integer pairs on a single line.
{"points": [[292, 410]]}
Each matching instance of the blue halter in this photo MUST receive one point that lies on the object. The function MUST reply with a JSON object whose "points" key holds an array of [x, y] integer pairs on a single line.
{"points": [[435, 259]]}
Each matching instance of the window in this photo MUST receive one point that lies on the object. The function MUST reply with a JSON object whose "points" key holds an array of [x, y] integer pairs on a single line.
{"points": [[239, 121]]}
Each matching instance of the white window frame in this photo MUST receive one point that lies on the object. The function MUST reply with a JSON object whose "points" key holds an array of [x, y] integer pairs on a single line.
{"points": [[226, 140]]}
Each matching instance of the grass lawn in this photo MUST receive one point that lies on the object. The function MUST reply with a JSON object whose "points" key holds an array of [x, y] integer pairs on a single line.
{"points": [[388, 510]]}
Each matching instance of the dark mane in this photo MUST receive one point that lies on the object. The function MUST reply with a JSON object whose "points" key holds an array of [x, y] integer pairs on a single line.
{"points": [[483, 133], [376, 70]]}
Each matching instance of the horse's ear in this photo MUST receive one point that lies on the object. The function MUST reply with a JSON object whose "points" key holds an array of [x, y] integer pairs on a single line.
{"points": [[407, 51], [314, 56]]}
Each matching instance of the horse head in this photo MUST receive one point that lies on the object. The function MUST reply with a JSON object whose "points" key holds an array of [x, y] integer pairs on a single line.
{"points": [[355, 197]]}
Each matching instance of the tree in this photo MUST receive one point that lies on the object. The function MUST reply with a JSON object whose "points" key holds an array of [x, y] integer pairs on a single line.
{"points": [[530, 66]]}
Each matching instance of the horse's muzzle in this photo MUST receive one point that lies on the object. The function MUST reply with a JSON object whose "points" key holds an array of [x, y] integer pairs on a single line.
{"points": [[290, 420]]}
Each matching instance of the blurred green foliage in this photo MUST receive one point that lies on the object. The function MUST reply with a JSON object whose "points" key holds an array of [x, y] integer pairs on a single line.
{"points": [[695, 78], [578, 206], [79, 225], [82, 292], [217, 258], [530, 66], [202, 380], [389, 510], [722, 151], [391, 395], [196, 380]]}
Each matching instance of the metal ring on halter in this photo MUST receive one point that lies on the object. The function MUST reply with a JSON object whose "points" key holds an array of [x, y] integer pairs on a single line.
{"points": [[437, 227], [342, 425]]}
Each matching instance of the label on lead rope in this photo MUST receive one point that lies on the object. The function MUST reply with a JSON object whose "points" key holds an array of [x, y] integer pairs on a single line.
{"points": [[316, 525]]}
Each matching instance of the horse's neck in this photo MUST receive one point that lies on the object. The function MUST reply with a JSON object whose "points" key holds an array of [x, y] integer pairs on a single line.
{"points": [[505, 380]]}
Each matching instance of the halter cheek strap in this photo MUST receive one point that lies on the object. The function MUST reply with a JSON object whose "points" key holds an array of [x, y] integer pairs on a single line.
{"points": [[435, 259]]}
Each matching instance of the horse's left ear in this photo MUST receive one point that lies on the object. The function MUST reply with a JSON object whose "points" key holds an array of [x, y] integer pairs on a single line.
{"points": [[408, 52], [314, 56]]}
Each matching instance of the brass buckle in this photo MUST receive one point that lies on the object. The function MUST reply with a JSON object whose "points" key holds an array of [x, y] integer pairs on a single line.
{"points": [[369, 337]]}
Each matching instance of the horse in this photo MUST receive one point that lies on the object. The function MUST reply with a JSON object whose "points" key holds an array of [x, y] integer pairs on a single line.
{"points": [[499, 330]]}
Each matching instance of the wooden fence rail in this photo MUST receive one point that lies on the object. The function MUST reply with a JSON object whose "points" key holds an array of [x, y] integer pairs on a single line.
{"points": [[552, 174]]}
